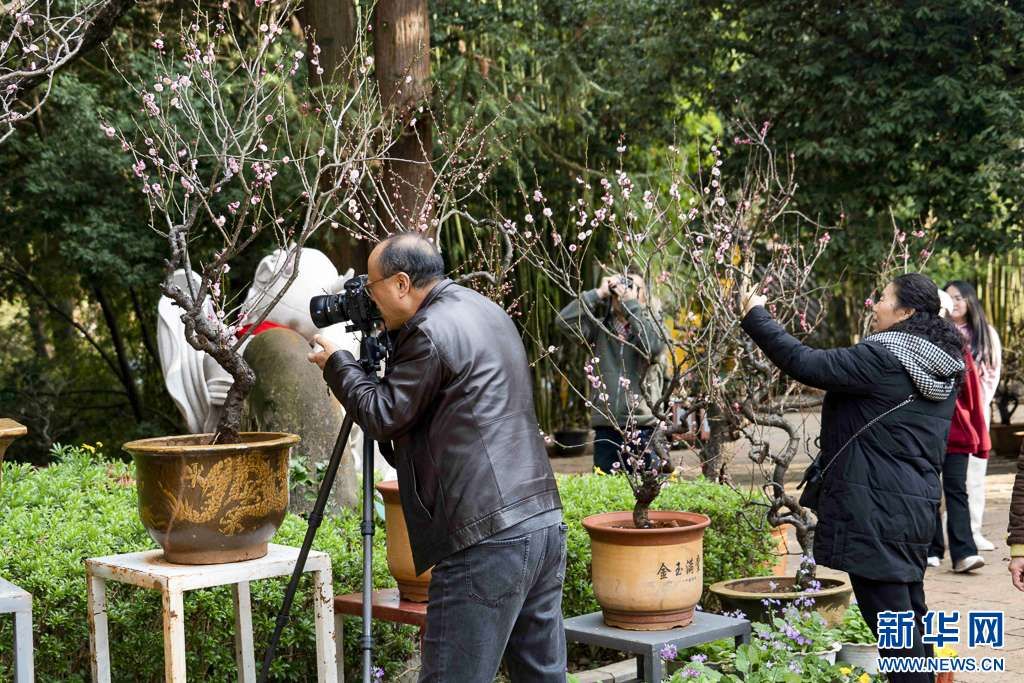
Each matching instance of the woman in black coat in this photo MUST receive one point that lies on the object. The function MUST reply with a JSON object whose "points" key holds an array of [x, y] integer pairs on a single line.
{"points": [[879, 495]]}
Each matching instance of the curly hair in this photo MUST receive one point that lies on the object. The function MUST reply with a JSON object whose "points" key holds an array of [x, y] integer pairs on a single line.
{"points": [[920, 293]]}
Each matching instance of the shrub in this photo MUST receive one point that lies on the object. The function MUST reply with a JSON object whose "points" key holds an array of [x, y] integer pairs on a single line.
{"points": [[52, 519], [83, 506]]}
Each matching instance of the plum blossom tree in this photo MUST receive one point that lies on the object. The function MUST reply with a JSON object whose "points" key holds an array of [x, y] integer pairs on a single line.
{"points": [[232, 147], [698, 240], [37, 39], [701, 239]]}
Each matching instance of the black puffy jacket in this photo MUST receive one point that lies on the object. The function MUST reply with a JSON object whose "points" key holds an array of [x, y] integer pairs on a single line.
{"points": [[457, 400], [880, 496]]}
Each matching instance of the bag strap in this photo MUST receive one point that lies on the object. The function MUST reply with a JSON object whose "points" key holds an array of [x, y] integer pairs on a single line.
{"points": [[866, 427]]}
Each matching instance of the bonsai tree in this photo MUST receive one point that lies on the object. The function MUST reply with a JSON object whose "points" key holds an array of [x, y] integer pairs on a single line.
{"points": [[235, 151], [697, 239]]}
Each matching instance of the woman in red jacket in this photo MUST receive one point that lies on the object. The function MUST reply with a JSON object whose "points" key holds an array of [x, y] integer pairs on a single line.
{"points": [[968, 435]]}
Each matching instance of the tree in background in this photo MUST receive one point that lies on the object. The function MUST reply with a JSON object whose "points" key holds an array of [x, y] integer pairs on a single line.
{"points": [[914, 107]]}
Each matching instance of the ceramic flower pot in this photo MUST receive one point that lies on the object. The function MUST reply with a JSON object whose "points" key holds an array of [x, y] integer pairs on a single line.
{"points": [[1006, 439], [208, 504], [411, 586], [9, 431], [861, 655], [781, 551], [647, 579], [747, 594], [828, 655]]}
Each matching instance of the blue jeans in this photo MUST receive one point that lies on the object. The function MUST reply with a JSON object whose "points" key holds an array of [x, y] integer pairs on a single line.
{"points": [[498, 597]]}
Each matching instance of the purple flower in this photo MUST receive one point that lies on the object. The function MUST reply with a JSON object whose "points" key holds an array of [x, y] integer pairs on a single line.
{"points": [[668, 653], [699, 659], [378, 673]]}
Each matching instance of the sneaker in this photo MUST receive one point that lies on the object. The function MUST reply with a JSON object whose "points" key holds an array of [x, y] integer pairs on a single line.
{"points": [[969, 563], [983, 543], [933, 561]]}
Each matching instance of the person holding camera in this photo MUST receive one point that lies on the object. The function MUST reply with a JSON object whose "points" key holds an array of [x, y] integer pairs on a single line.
{"points": [[626, 340], [885, 419], [478, 493]]}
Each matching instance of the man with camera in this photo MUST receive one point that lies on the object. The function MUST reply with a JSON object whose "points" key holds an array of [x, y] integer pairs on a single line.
{"points": [[477, 490], [614, 321]]}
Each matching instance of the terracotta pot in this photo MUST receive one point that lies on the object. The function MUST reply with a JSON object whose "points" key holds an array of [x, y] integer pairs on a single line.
{"points": [[212, 504], [1006, 439], [944, 677], [647, 579], [781, 549], [9, 431], [411, 586], [746, 595]]}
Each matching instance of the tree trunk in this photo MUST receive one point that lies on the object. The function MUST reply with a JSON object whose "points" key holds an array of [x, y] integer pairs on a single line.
{"points": [[122, 357], [331, 26], [40, 343], [402, 57], [143, 319], [712, 464]]}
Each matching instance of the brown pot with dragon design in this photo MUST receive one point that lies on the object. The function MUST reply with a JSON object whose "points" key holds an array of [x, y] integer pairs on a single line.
{"points": [[9, 431], [211, 504]]}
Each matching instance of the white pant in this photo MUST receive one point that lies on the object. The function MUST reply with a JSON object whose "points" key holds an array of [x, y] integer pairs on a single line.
{"points": [[976, 468]]}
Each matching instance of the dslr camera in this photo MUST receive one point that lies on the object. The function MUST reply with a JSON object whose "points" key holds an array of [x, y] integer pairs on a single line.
{"points": [[623, 281], [353, 306]]}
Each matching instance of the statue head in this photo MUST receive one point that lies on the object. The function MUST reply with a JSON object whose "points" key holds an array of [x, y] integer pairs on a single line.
{"points": [[317, 275]]}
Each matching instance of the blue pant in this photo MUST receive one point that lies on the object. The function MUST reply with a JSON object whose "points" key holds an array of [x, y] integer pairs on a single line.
{"points": [[498, 597]]}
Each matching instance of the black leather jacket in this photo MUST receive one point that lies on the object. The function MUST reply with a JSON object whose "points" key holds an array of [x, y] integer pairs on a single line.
{"points": [[457, 401]]}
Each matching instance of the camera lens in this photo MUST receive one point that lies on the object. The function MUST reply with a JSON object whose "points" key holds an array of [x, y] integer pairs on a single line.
{"points": [[327, 309]]}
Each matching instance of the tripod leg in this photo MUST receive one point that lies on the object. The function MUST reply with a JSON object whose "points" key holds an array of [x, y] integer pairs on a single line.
{"points": [[367, 527], [315, 517]]}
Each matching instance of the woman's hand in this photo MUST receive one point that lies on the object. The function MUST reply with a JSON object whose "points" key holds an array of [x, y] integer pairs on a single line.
{"points": [[751, 298]]}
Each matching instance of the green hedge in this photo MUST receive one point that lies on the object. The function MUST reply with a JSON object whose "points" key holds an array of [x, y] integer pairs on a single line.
{"points": [[52, 519], [84, 506]]}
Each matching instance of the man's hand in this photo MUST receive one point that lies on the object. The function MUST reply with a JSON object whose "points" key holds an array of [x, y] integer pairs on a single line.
{"points": [[751, 299], [322, 350], [1017, 572]]}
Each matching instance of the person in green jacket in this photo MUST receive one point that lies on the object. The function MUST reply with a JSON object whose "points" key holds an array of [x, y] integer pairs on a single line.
{"points": [[614, 320]]}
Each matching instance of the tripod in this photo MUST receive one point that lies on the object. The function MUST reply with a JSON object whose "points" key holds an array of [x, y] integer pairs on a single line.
{"points": [[371, 353]]}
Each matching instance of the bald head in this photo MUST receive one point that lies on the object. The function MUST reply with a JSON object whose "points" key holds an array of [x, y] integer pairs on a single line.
{"points": [[412, 254], [402, 270]]}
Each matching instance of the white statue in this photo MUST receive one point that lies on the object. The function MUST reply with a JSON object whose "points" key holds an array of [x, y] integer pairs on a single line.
{"points": [[199, 385], [195, 381]]}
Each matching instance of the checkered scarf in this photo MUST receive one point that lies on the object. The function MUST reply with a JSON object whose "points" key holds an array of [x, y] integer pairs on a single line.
{"points": [[931, 369]]}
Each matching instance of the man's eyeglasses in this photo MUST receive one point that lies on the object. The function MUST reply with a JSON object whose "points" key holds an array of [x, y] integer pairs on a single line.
{"points": [[369, 285]]}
